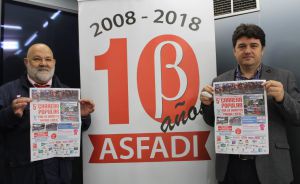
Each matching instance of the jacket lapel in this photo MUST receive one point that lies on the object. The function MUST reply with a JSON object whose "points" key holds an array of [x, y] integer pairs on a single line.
{"points": [[267, 73], [230, 76]]}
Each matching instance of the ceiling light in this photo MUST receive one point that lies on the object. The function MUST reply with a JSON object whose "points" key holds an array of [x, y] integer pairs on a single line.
{"points": [[30, 39], [14, 27], [55, 15], [10, 45], [45, 24]]}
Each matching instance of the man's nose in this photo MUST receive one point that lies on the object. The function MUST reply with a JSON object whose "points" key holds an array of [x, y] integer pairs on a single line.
{"points": [[248, 49], [43, 62]]}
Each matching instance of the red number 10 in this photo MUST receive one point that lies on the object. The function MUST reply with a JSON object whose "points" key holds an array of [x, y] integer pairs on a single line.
{"points": [[178, 78], [115, 61]]}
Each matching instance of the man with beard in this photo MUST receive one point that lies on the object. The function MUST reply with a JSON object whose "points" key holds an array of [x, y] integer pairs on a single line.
{"points": [[15, 122]]}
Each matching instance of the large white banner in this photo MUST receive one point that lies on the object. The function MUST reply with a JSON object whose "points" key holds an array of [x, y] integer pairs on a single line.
{"points": [[143, 63]]}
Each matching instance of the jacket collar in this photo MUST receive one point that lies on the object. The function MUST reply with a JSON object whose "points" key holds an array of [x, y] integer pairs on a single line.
{"points": [[267, 73], [26, 84]]}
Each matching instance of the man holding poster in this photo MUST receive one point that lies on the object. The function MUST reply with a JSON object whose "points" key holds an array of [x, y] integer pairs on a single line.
{"points": [[283, 108], [15, 122]]}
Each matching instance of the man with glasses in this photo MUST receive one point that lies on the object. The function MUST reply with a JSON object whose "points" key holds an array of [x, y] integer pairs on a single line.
{"points": [[15, 122]]}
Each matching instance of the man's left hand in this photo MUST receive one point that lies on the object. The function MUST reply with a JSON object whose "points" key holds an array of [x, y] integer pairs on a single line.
{"points": [[274, 89], [86, 107]]}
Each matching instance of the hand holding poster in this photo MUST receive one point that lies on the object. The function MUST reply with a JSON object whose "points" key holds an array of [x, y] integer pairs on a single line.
{"points": [[55, 123], [241, 120]]}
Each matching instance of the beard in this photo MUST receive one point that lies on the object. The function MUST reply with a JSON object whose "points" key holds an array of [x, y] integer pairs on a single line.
{"points": [[40, 74]]}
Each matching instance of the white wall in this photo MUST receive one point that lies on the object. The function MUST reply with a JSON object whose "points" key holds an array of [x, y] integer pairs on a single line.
{"points": [[66, 5]]}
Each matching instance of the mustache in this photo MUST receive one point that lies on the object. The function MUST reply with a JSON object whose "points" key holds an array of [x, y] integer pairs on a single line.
{"points": [[43, 69]]}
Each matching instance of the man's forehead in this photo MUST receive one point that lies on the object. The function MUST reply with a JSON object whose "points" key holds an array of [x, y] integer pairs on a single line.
{"points": [[42, 54], [248, 40], [40, 51]]}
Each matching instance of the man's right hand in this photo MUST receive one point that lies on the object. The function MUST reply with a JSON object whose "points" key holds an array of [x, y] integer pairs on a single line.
{"points": [[18, 105], [204, 98]]}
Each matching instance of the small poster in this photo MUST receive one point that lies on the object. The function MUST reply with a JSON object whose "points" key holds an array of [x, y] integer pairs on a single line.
{"points": [[241, 119], [55, 123]]}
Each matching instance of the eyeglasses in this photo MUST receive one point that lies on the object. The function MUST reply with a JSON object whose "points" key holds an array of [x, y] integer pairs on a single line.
{"points": [[40, 59]]}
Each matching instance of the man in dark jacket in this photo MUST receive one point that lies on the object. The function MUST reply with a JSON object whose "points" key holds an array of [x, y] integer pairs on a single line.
{"points": [[15, 122], [283, 109]]}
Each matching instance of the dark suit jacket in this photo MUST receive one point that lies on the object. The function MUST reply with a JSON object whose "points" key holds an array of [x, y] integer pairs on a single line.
{"points": [[274, 168], [16, 134]]}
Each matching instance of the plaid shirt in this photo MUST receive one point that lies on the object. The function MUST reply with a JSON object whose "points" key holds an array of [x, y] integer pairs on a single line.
{"points": [[238, 75]]}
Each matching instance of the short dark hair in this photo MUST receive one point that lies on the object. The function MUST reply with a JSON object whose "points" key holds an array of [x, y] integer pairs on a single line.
{"points": [[249, 31]]}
